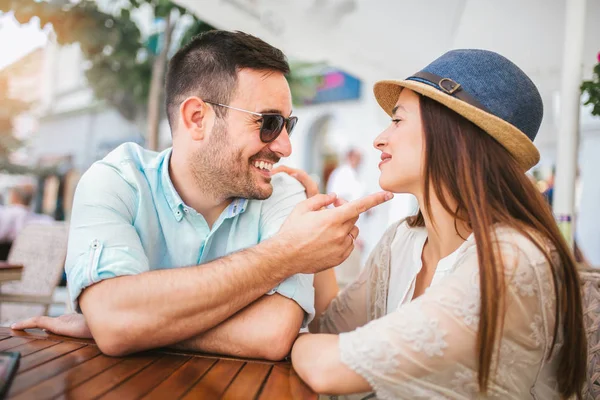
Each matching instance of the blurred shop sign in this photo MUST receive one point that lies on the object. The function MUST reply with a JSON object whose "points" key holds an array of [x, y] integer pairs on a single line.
{"points": [[317, 84]]}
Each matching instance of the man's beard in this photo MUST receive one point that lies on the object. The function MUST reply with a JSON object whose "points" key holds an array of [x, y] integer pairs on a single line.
{"points": [[222, 171]]}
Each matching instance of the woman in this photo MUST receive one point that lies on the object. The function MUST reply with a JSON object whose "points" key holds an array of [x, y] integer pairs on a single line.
{"points": [[503, 317]]}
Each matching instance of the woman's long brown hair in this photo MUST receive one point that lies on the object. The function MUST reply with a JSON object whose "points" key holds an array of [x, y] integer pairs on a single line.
{"points": [[470, 166]]}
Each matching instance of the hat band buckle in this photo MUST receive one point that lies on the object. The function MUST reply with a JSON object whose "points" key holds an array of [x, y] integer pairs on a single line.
{"points": [[452, 87]]}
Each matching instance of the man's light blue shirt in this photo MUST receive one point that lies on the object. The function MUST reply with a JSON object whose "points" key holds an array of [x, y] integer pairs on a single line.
{"points": [[127, 219]]}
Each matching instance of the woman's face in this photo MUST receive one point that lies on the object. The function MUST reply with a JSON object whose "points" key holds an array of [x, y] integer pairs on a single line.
{"points": [[401, 146]]}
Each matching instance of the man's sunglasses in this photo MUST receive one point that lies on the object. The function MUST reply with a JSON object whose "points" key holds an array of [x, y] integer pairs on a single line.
{"points": [[272, 124]]}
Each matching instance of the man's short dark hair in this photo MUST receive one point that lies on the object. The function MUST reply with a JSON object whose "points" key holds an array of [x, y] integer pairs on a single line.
{"points": [[207, 67]]}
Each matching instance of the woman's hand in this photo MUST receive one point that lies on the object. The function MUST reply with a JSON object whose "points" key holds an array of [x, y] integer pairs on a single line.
{"points": [[301, 176]]}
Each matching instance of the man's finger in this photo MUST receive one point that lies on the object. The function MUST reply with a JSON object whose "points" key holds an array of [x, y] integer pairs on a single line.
{"points": [[354, 232], [339, 202], [31, 323], [317, 202], [348, 251], [347, 225], [354, 208]]}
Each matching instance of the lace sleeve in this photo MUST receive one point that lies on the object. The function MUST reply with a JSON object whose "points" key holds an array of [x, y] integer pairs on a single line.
{"points": [[351, 308], [429, 344]]}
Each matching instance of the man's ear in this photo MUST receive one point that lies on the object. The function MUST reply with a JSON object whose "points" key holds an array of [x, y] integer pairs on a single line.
{"points": [[197, 117]]}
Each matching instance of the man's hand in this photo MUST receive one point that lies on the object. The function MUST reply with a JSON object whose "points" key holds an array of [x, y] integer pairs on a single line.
{"points": [[322, 239], [73, 325]]}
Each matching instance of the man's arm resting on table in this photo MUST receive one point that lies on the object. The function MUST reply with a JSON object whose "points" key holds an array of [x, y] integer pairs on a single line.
{"points": [[265, 329], [163, 307]]}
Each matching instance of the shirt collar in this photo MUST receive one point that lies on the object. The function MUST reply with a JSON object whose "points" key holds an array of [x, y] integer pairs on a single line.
{"points": [[171, 195], [175, 202], [445, 263], [236, 207], [419, 244]]}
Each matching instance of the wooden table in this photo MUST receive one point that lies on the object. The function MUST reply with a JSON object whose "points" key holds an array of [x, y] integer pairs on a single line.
{"points": [[10, 272], [67, 368]]}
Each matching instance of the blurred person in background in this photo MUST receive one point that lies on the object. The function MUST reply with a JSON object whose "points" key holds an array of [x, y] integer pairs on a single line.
{"points": [[549, 192], [345, 183], [344, 180], [18, 213]]}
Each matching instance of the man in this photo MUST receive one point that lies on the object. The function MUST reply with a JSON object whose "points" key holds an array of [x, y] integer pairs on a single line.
{"points": [[208, 204]]}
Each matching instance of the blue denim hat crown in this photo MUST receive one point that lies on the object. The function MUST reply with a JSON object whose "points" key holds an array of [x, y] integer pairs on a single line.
{"points": [[490, 82]]}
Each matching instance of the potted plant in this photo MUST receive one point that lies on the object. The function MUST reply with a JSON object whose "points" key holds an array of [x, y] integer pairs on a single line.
{"points": [[592, 89]]}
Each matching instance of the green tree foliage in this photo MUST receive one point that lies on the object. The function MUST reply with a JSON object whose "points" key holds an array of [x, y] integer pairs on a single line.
{"points": [[120, 64]]}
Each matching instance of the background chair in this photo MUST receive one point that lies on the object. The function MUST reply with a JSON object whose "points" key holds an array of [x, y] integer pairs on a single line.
{"points": [[41, 249]]}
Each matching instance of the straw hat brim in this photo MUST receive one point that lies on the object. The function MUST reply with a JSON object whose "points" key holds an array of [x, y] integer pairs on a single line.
{"points": [[515, 141]]}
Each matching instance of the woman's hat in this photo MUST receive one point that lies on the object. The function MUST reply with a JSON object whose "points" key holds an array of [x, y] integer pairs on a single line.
{"points": [[485, 88]]}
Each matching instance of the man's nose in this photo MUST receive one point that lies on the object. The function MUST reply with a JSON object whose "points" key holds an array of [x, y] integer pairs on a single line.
{"points": [[282, 146]]}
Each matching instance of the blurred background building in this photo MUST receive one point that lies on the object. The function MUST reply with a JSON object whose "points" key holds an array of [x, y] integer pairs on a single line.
{"points": [[337, 49]]}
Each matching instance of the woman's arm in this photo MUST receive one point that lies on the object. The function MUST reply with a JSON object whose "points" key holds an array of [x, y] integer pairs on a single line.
{"points": [[326, 289], [317, 361], [419, 338]]}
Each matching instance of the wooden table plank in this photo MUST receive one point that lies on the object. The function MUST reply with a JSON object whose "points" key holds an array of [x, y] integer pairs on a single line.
{"points": [[108, 379], [147, 379], [7, 344], [69, 379], [60, 367], [284, 383], [299, 389], [34, 376], [248, 382], [47, 354], [216, 381], [277, 384], [181, 380], [33, 346]]}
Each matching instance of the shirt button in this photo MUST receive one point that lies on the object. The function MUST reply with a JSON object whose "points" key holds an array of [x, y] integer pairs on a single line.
{"points": [[185, 210]]}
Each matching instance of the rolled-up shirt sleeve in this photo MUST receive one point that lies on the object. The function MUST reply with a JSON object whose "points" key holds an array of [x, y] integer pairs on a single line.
{"points": [[103, 242], [287, 193]]}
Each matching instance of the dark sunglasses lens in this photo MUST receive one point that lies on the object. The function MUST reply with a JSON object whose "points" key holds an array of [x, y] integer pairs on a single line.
{"points": [[271, 127], [291, 124]]}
